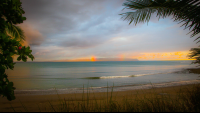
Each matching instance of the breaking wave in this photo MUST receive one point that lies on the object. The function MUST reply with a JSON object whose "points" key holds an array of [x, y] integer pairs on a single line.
{"points": [[110, 77]]}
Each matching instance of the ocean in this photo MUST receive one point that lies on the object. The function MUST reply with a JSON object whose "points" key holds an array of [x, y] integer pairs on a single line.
{"points": [[74, 77]]}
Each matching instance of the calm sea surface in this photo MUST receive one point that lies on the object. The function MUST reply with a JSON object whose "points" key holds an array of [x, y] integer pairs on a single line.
{"points": [[72, 75]]}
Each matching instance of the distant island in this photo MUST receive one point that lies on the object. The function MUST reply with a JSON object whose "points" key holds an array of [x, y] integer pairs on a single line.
{"points": [[116, 59]]}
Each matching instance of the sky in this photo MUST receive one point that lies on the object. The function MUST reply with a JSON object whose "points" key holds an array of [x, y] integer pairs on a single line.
{"points": [[90, 30]]}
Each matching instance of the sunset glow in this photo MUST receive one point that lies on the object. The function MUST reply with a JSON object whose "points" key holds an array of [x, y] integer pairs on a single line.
{"points": [[180, 55], [168, 56], [93, 58], [121, 57]]}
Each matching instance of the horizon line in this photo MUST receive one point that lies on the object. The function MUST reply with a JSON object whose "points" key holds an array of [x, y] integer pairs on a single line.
{"points": [[108, 61]]}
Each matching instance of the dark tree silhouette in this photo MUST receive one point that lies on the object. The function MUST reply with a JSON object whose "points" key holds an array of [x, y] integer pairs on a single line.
{"points": [[10, 37]]}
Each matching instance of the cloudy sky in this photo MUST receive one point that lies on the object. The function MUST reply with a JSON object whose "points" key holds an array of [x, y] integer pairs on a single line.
{"points": [[85, 30]]}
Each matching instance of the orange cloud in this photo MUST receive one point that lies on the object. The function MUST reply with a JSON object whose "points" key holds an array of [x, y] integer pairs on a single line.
{"points": [[121, 57], [180, 55], [33, 36], [79, 60]]}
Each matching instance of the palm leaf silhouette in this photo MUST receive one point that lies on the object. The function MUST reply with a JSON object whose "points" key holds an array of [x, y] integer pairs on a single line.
{"points": [[183, 11], [15, 32]]}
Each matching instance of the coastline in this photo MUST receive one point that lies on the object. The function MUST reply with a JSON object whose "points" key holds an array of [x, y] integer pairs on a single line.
{"points": [[30, 101], [115, 88], [104, 89]]}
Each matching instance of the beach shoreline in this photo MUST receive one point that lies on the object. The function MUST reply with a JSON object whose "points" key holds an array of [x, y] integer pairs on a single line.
{"points": [[30, 101], [104, 89], [114, 88]]}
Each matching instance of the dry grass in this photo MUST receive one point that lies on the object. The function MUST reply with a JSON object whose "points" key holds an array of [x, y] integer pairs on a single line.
{"points": [[186, 100], [170, 99]]}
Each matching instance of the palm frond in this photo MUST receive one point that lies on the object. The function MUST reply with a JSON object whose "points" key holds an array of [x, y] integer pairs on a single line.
{"points": [[15, 32], [195, 54], [187, 11]]}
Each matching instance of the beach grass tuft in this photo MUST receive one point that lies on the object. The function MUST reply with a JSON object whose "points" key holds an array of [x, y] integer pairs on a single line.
{"points": [[186, 100]]}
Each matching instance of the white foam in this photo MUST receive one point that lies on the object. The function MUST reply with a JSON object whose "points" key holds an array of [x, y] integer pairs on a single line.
{"points": [[105, 77], [141, 75], [95, 87]]}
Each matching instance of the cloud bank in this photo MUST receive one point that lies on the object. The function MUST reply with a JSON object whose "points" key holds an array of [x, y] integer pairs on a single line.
{"points": [[72, 29]]}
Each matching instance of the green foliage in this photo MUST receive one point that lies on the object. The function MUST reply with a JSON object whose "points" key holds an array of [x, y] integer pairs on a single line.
{"points": [[15, 32], [187, 11], [12, 10], [10, 13]]}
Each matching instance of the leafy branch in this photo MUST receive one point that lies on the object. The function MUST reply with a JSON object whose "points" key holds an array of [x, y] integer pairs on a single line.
{"points": [[10, 37]]}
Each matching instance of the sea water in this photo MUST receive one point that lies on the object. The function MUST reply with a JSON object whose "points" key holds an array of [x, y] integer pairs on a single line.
{"points": [[72, 77]]}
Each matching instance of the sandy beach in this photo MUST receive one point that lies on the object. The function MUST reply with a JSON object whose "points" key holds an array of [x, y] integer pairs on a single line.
{"points": [[45, 102]]}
